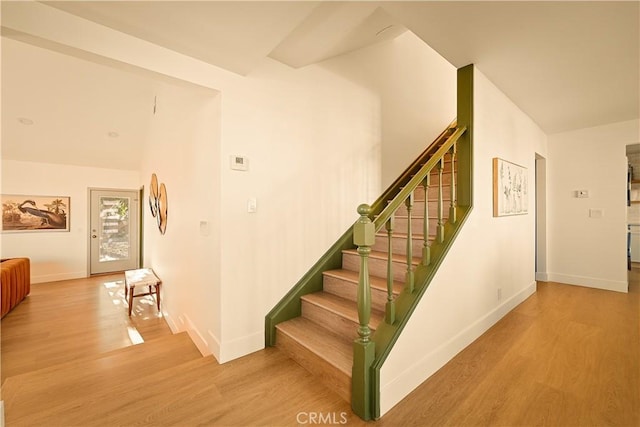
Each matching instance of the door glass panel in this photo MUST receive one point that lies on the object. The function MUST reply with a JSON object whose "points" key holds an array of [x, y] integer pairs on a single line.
{"points": [[115, 235]]}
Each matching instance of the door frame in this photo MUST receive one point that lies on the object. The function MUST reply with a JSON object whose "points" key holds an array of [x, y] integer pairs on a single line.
{"points": [[139, 217], [541, 272]]}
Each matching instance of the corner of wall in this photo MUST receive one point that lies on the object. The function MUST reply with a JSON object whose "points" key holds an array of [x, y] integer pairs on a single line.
{"points": [[242, 346], [184, 324], [589, 282]]}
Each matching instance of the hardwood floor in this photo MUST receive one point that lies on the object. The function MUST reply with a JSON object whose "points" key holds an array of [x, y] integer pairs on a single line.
{"points": [[62, 321], [566, 356]]}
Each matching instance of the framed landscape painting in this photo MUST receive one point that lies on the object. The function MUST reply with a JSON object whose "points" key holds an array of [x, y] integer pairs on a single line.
{"points": [[510, 189], [22, 213]]}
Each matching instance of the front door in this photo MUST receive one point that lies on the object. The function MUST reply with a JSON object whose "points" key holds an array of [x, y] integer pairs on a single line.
{"points": [[114, 236]]}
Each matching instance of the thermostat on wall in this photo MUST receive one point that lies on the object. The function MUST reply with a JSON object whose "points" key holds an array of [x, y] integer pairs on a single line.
{"points": [[239, 163]]}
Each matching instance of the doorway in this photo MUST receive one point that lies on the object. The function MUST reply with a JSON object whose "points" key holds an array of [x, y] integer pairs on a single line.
{"points": [[541, 218], [114, 225]]}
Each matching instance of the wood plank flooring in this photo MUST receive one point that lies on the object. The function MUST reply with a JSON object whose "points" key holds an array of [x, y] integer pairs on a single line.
{"points": [[566, 356]]}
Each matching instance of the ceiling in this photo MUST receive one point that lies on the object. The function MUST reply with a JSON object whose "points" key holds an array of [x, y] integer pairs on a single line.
{"points": [[75, 106], [568, 65]]}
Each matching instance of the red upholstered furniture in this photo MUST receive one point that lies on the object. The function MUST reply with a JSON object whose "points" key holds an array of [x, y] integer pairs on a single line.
{"points": [[15, 282]]}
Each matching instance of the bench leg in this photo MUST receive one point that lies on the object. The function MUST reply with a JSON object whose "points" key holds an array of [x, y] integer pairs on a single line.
{"points": [[130, 299], [158, 295]]}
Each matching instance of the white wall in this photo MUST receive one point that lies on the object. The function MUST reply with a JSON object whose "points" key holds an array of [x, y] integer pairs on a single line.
{"points": [[316, 141], [417, 89], [584, 250], [303, 147], [183, 150], [58, 255], [490, 257], [313, 143]]}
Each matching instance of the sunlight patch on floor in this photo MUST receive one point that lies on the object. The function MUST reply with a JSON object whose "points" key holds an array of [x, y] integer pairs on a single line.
{"points": [[134, 335]]}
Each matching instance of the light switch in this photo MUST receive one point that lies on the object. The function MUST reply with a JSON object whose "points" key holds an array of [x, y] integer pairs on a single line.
{"points": [[204, 228], [252, 205], [582, 194]]}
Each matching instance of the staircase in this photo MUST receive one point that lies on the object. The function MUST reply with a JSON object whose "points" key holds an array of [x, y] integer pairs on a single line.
{"points": [[321, 338], [342, 319]]}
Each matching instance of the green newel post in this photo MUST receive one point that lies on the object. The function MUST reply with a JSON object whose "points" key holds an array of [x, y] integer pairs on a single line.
{"points": [[363, 347]]}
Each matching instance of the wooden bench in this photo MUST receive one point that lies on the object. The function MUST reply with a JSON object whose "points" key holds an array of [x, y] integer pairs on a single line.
{"points": [[141, 277]]}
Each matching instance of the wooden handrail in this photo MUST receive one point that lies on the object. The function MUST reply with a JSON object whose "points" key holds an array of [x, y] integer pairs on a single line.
{"points": [[416, 180], [406, 175]]}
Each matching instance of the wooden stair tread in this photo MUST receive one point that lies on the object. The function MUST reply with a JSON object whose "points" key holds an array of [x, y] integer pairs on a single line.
{"points": [[414, 236], [342, 307], [384, 256], [334, 349], [378, 283]]}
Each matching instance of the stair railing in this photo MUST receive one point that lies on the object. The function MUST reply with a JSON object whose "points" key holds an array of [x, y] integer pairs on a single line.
{"points": [[372, 349], [365, 229], [290, 306], [364, 233]]}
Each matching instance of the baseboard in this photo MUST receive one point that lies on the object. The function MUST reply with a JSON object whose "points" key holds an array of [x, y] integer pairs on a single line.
{"points": [[398, 388], [214, 346], [196, 337], [223, 352], [590, 282], [542, 277], [43, 278], [171, 321], [242, 346], [184, 324]]}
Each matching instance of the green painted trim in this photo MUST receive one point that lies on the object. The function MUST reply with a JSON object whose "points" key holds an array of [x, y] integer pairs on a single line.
{"points": [[361, 390], [465, 147]]}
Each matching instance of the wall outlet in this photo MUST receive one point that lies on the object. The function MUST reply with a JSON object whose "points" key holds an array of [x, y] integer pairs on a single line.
{"points": [[596, 213], [499, 294]]}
